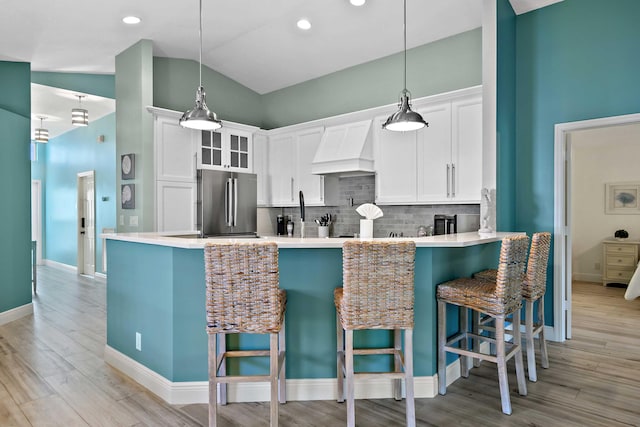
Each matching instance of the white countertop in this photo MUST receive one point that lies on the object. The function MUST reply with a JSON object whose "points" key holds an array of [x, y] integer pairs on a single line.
{"points": [[443, 241]]}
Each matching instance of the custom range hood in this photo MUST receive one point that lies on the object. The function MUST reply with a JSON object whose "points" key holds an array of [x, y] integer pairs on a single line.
{"points": [[345, 150]]}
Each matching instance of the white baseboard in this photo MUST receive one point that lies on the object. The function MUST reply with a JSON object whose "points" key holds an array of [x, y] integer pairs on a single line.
{"points": [[587, 277], [183, 393], [99, 275], [59, 265], [16, 313]]}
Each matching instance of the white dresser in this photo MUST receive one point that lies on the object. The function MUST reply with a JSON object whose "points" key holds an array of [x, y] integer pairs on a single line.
{"points": [[619, 260]]}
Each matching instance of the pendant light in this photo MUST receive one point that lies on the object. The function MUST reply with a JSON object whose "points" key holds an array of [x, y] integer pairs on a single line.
{"points": [[200, 117], [405, 119], [79, 116], [41, 134]]}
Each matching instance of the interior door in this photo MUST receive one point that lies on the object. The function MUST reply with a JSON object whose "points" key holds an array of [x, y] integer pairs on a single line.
{"points": [[86, 224]]}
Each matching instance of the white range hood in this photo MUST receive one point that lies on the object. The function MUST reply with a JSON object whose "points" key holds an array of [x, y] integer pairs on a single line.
{"points": [[345, 150]]}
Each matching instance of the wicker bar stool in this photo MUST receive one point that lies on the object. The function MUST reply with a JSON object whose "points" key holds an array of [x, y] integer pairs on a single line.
{"points": [[377, 293], [534, 287], [496, 299], [243, 297]]}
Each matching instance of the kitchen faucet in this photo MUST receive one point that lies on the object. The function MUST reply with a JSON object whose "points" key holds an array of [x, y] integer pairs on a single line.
{"points": [[301, 196]]}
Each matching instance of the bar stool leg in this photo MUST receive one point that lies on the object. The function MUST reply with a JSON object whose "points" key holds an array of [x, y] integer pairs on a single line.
{"points": [[464, 343], [531, 352], [502, 366], [273, 373], [476, 316], [213, 381], [397, 363], [222, 349], [351, 410], [408, 370], [282, 369], [340, 362], [442, 341], [517, 340], [544, 357]]}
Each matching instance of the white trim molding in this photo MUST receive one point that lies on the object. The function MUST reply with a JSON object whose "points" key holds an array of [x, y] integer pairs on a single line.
{"points": [[16, 313], [59, 265], [184, 393]]}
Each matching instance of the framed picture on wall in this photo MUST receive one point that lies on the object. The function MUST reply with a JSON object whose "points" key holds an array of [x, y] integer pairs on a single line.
{"points": [[622, 198], [128, 193], [128, 166]]}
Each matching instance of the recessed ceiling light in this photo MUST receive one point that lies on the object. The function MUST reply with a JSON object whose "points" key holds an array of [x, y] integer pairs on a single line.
{"points": [[358, 2], [131, 20], [304, 24]]}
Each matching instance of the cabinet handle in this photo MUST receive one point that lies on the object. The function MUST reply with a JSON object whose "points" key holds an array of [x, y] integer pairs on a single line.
{"points": [[321, 188], [448, 182], [453, 180], [292, 189]]}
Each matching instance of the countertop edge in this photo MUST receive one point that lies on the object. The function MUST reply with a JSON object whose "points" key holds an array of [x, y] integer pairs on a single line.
{"points": [[443, 241]]}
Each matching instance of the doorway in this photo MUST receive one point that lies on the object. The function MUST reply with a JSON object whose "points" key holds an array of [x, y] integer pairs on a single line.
{"points": [[86, 223], [563, 274], [36, 217]]}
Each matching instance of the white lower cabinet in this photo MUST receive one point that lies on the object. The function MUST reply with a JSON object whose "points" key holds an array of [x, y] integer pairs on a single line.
{"points": [[176, 206], [438, 164]]}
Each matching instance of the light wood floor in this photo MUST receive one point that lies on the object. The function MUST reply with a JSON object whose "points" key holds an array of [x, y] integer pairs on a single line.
{"points": [[52, 373]]}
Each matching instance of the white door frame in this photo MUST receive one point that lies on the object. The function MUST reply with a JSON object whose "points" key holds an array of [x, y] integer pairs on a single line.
{"points": [[562, 217], [36, 217], [79, 206]]}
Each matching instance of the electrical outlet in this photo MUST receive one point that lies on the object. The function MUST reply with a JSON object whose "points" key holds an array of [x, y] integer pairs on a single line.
{"points": [[133, 221], [596, 266], [138, 341]]}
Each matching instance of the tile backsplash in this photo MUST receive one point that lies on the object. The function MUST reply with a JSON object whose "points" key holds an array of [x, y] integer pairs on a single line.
{"points": [[398, 219]]}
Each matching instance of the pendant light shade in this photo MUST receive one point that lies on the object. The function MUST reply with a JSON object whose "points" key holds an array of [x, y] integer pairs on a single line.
{"points": [[200, 117], [41, 134], [79, 116], [405, 119]]}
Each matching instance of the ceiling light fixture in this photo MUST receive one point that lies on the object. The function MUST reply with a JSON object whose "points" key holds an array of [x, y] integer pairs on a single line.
{"points": [[41, 134], [80, 116], [405, 119], [304, 24], [200, 117], [358, 2], [131, 20]]}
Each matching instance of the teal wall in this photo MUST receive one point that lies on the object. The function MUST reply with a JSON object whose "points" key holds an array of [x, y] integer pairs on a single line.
{"points": [[95, 84], [445, 65], [174, 87], [67, 155], [134, 132], [576, 60], [15, 190], [506, 116]]}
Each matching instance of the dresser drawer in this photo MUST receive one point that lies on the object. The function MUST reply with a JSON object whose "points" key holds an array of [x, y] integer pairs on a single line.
{"points": [[621, 249], [615, 274], [617, 261]]}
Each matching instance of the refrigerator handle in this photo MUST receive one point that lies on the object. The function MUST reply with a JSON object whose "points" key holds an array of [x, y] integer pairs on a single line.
{"points": [[227, 202], [235, 201]]}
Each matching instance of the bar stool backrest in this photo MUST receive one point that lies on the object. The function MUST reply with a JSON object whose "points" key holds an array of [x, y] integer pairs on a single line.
{"points": [[378, 285], [242, 287], [535, 284], [513, 257]]}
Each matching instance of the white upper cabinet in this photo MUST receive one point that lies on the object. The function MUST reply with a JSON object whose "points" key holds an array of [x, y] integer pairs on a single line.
{"points": [[281, 160], [319, 190], [395, 165], [260, 166], [228, 149], [441, 163]]}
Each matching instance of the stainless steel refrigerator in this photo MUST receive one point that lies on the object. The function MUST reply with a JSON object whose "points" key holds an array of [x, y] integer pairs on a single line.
{"points": [[227, 204]]}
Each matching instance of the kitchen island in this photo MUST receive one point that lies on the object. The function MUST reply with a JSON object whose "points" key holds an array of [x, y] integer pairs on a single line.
{"points": [[156, 313]]}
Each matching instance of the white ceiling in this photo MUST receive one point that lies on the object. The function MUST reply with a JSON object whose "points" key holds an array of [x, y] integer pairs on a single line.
{"points": [[254, 42]]}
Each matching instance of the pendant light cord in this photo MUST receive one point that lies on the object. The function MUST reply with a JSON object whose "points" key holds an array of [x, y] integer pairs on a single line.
{"points": [[405, 46], [200, 33]]}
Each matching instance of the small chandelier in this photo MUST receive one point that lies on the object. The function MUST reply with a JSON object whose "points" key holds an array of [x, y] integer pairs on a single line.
{"points": [[41, 134], [200, 117], [80, 116], [405, 119]]}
